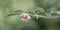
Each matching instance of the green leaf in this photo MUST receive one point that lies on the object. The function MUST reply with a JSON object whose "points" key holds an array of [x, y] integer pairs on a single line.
{"points": [[17, 12], [35, 10]]}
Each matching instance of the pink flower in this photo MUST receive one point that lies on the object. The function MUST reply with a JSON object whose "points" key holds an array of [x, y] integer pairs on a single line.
{"points": [[25, 16]]}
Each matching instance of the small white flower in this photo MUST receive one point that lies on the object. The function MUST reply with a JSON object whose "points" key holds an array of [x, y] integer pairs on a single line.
{"points": [[25, 16]]}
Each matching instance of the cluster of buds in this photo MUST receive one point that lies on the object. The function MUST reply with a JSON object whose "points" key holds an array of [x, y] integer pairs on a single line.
{"points": [[25, 16]]}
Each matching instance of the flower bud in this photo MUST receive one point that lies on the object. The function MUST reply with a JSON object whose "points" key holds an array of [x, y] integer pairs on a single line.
{"points": [[25, 16]]}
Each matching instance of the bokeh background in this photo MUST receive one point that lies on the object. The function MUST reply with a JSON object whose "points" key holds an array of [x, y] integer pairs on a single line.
{"points": [[14, 22]]}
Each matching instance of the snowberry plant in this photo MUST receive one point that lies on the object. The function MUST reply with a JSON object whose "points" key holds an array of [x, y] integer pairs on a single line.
{"points": [[37, 17], [35, 12]]}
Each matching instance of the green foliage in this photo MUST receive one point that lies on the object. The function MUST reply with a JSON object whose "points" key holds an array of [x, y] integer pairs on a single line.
{"points": [[43, 14], [17, 12]]}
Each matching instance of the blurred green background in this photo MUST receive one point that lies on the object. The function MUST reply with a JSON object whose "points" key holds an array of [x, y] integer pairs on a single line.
{"points": [[14, 22]]}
